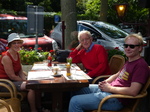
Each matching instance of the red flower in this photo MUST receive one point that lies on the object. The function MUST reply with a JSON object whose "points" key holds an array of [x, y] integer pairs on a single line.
{"points": [[51, 51], [3, 52], [39, 48], [30, 48], [117, 48], [7, 48]]}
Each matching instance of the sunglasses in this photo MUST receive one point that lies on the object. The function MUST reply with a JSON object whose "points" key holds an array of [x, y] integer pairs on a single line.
{"points": [[130, 45]]}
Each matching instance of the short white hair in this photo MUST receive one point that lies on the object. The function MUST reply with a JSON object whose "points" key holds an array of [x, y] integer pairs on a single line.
{"points": [[84, 32]]}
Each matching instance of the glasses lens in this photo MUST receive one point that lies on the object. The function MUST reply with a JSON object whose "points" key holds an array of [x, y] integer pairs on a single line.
{"points": [[131, 46], [125, 45], [86, 39]]}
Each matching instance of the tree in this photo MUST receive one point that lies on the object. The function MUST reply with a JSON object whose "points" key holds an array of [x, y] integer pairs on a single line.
{"points": [[69, 15], [103, 10]]}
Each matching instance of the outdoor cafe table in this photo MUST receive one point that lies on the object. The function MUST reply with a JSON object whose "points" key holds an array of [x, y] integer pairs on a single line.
{"points": [[55, 85]]}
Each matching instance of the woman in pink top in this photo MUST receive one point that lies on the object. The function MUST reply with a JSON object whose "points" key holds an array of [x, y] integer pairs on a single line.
{"points": [[10, 68]]}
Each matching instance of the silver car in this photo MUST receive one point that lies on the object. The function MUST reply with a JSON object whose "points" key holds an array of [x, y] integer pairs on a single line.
{"points": [[105, 34]]}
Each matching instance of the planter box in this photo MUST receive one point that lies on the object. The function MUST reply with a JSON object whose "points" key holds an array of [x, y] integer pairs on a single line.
{"points": [[27, 68]]}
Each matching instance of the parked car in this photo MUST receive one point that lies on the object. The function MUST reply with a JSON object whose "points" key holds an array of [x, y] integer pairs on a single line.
{"points": [[105, 34], [18, 24], [3, 44], [128, 28]]}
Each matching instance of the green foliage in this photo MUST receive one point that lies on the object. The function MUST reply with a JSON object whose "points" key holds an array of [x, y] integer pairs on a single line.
{"points": [[89, 9], [86, 9], [29, 57], [93, 6], [114, 52]]}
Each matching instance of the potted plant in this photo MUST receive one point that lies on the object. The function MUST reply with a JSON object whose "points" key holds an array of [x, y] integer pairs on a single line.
{"points": [[115, 51], [29, 57]]}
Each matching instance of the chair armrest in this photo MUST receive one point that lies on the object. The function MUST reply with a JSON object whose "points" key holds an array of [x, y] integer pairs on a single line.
{"points": [[8, 88], [20, 95], [141, 95], [5, 105], [99, 77], [12, 86]]}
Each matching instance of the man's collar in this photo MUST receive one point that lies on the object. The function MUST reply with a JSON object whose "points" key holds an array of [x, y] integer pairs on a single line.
{"points": [[89, 49]]}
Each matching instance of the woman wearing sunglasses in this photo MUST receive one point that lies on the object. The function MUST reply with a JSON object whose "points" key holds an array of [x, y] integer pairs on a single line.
{"points": [[128, 81]]}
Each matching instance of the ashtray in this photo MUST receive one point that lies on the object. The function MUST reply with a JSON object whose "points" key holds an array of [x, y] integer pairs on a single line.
{"points": [[57, 75]]}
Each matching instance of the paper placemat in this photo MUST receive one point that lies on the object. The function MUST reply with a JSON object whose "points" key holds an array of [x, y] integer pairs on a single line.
{"points": [[40, 75], [40, 67], [78, 75]]}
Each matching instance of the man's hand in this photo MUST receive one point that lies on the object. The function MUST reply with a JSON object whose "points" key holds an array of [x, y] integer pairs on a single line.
{"points": [[105, 86], [79, 47]]}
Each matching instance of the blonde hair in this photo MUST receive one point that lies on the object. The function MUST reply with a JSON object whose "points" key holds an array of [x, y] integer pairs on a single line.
{"points": [[84, 32], [138, 36]]}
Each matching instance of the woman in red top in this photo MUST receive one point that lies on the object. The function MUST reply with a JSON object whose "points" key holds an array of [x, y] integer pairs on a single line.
{"points": [[10, 67]]}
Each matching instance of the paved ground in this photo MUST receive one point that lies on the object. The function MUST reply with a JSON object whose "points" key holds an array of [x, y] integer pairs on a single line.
{"points": [[46, 103]]}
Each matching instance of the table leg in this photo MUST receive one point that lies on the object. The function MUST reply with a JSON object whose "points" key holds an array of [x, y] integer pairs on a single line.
{"points": [[56, 102]]}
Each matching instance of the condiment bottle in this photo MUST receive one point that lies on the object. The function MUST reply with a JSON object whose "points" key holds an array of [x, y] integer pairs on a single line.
{"points": [[68, 69], [49, 60]]}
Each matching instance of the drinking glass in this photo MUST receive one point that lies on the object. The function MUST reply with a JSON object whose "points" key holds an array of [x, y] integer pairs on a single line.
{"points": [[55, 70], [69, 60]]}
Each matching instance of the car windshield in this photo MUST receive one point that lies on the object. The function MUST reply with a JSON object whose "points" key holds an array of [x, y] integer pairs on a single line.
{"points": [[110, 30], [16, 26]]}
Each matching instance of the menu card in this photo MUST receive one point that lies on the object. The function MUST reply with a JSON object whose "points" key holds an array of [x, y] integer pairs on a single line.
{"points": [[40, 67], [77, 75], [40, 75]]}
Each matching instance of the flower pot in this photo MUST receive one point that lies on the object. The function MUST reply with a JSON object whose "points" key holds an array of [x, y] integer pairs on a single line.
{"points": [[27, 68]]}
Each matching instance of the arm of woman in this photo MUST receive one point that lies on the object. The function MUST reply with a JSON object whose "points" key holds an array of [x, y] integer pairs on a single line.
{"points": [[7, 63], [22, 75]]}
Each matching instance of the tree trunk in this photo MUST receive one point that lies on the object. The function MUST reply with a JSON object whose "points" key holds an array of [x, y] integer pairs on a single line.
{"points": [[103, 11], [68, 9]]}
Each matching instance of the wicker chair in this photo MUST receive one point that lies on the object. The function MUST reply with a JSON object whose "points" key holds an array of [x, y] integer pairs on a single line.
{"points": [[20, 95], [13, 103], [129, 108], [116, 63], [4, 106]]}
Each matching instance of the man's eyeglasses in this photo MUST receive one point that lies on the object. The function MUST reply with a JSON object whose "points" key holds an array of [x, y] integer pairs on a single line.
{"points": [[130, 45], [86, 39]]}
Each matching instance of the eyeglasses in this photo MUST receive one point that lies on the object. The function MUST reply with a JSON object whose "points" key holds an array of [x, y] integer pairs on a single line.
{"points": [[130, 45], [86, 39]]}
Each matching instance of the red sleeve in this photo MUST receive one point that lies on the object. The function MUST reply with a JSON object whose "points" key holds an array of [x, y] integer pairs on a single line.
{"points": [[75, 54]]}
